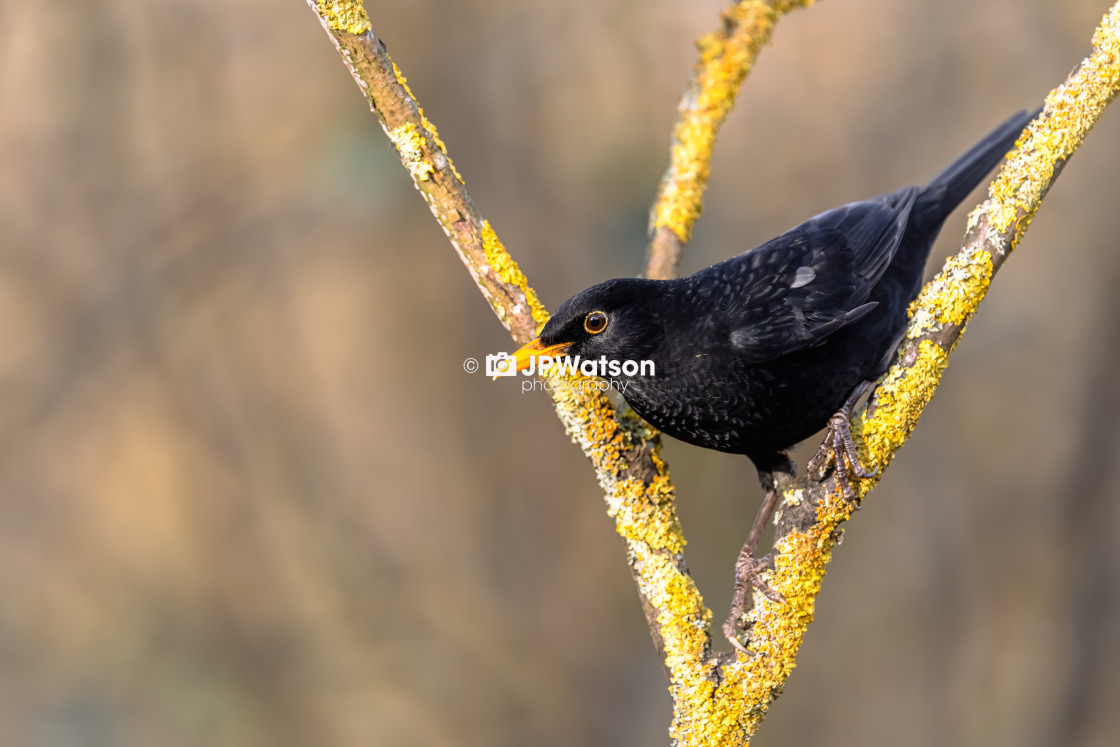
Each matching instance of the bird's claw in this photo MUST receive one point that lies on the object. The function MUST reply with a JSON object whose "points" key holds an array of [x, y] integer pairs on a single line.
{"points": [[839, 450], [748, 575]]}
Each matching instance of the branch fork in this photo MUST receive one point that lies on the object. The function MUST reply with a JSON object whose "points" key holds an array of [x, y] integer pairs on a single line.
{"points": [[721, 698]]}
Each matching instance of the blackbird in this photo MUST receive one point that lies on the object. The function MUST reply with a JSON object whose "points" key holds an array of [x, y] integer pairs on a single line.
{"points": [[757, 353]]}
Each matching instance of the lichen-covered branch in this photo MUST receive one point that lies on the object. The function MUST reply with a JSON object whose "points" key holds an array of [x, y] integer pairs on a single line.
{"points": [[720, 700], [941, 311], [425, 156], [726, 57], [623, 450], [811, 513]]}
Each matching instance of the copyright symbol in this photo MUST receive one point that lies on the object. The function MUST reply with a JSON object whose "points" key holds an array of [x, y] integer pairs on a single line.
{"points": [[470, 365]]}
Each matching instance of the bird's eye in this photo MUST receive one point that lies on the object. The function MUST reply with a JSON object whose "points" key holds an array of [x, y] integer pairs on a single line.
{"points": [[595, 322]]}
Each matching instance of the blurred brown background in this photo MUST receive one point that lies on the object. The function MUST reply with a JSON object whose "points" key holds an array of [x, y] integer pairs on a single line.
{"points": [[248, 495]]}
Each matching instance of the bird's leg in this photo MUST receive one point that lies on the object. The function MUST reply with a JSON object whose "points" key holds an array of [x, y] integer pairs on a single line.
{"points": [[748, 567], [839, 449]]}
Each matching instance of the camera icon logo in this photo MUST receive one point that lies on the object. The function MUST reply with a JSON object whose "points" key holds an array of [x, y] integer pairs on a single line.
{"points": [[501, 364]]}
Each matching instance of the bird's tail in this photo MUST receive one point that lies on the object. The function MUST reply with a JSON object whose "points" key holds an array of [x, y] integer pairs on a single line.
{"points": [[952, 185]]}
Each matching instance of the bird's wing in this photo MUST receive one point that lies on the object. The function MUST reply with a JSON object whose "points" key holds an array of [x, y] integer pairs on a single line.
{"points": [[794, 291]]}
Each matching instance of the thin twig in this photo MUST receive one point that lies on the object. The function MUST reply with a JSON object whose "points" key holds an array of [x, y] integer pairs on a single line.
{"points": [[726, 58], [424, 155], [624, 450]]}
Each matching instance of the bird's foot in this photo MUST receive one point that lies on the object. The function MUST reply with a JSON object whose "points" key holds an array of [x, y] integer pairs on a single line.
{"points": [[839, 449], [748, 568], [748, 575]]}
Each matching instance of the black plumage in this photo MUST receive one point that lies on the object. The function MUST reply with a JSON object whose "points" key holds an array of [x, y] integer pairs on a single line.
{"points": [[754, 354], [759, 352]]}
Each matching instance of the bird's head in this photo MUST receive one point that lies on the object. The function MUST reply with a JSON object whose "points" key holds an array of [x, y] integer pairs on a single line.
{"points": [[618, 319]]}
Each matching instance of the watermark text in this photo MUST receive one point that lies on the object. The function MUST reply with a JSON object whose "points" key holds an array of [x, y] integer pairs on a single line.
{"points": [[503, 364]]}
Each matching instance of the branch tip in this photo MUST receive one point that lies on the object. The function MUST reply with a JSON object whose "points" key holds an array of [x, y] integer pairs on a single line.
{"points": [[726, 57]]}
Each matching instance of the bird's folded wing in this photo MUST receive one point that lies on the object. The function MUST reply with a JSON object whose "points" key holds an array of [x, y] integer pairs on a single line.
{"points": [[794, 291]]}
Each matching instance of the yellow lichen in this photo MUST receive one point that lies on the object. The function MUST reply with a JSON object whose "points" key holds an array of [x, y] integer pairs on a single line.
{"points": [[508, 272], [1071, 111], [426, 123], [645, 517], [899, 400], [953, 296], [725, 59], [439, 143], [729, 713], [344, 15], [410, 146], [642, 512]]}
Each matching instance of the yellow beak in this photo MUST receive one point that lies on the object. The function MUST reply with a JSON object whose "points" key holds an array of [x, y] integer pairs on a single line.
{"points": [[526, 354]]}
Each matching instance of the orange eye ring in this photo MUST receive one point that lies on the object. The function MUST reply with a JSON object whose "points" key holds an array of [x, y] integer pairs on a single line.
{"points": [[595, 322]]}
